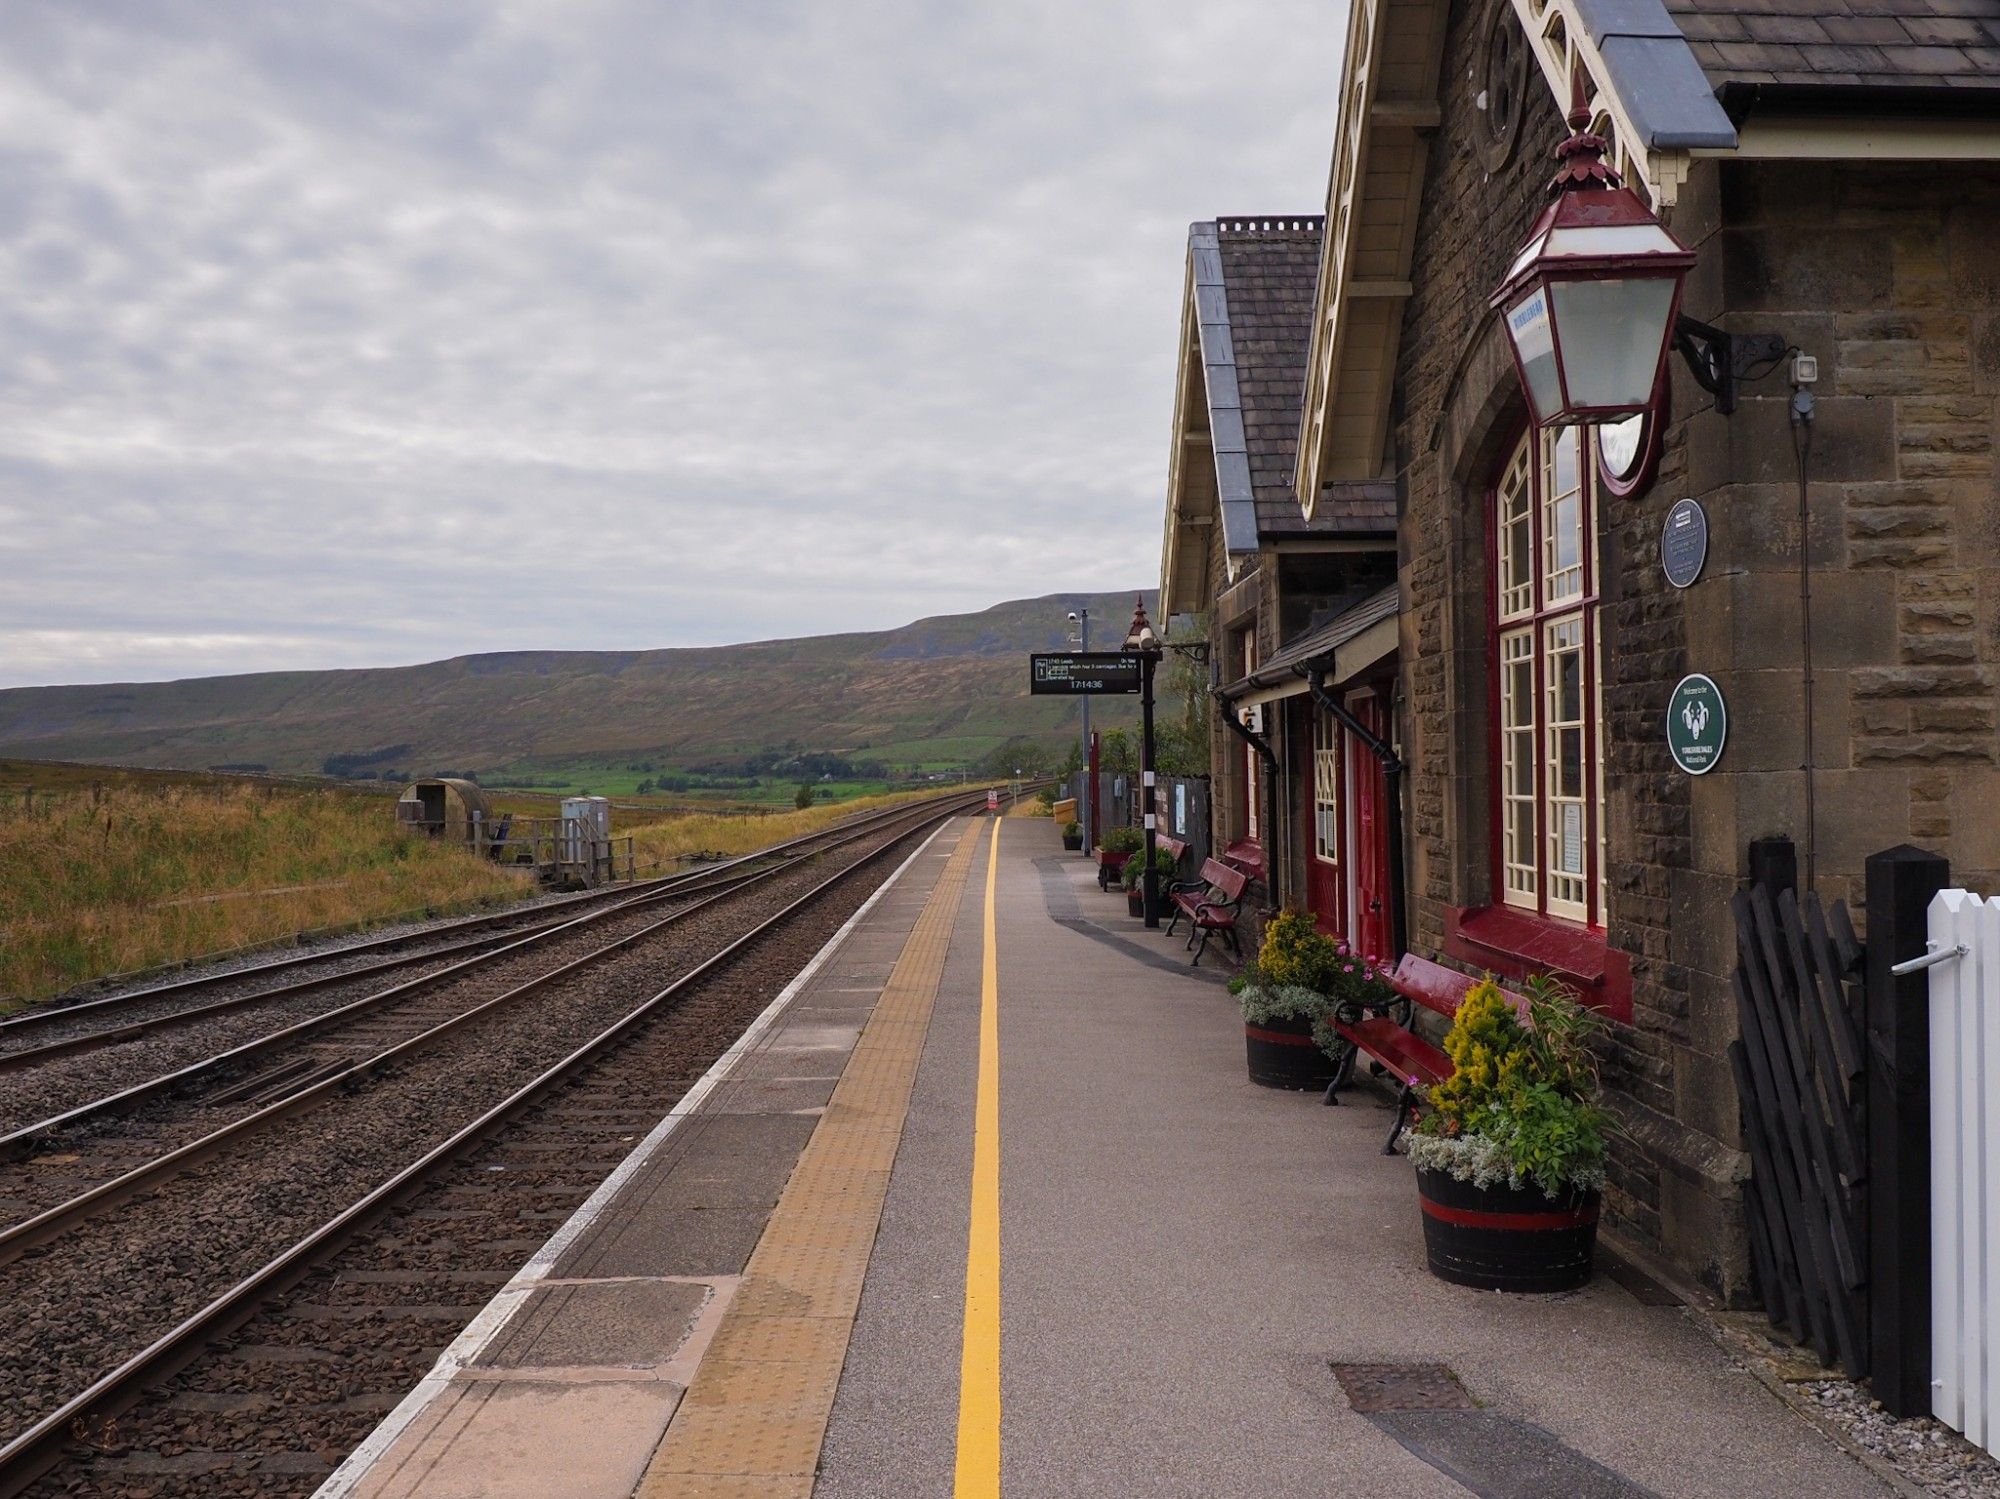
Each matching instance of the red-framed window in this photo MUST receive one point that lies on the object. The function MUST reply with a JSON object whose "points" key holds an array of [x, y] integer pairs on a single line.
{"points": [[1548, 705]]}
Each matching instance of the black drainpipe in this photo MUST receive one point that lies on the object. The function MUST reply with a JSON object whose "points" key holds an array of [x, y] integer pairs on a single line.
{"points": [[1272, 863], [1392, 778]]}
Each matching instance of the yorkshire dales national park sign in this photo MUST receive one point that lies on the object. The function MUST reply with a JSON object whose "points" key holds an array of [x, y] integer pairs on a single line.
{"points": [[1697, 724]]}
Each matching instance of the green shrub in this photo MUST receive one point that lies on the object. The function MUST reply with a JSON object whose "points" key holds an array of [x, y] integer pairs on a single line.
{"points": [[1135, 868], [1121, 840], [1522, 1102], [1284, 1002], [1072, 829]]}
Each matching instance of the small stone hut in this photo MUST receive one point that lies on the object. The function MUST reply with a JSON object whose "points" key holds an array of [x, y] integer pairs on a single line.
{"points": [[442, 807]]}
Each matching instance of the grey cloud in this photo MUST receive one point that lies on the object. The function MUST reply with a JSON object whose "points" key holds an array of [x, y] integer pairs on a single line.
{"points": [[350, 334]]}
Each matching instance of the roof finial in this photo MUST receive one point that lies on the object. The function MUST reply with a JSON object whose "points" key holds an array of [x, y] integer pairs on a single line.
{"points": [[1582, 168]]}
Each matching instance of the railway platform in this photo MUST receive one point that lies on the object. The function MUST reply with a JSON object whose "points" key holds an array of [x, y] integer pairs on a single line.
{"points": [[985, 1198]]}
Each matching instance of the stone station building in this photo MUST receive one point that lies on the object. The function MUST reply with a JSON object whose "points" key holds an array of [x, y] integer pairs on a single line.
{"points": [[1835, 165]]}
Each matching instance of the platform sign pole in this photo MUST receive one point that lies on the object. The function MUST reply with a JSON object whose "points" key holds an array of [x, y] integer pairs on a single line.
{"points": [[1147, 660], [1087, 803]]}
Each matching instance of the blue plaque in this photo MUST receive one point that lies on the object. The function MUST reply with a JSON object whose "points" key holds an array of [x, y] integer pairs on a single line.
{"points": [[1684, 542]]}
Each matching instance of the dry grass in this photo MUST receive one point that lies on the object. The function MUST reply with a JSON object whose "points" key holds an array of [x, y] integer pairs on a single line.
{"points": [[675, 838], [109, 871], [129, 874]]}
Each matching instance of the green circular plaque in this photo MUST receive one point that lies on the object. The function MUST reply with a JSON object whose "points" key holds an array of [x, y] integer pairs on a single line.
{"points": [[1697, 724]]}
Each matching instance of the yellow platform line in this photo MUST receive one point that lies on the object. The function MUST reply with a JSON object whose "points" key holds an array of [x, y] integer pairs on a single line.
{"points": [[978, 1471], [751, 1423]]}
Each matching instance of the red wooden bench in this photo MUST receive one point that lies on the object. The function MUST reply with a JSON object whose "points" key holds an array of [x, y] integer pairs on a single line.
{"points": [[1392, 1044], [1246, 855], [1210, 902]]}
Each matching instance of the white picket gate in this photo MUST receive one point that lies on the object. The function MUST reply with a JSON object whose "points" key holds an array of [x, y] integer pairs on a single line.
{"points": [[1964, 964]]}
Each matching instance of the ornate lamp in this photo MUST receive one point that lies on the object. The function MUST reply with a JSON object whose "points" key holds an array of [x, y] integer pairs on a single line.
{"points": [[1141, 637], [1591, 299]]}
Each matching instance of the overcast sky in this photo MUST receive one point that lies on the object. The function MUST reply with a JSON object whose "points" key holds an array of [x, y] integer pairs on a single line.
{"points": [[367, 333]]}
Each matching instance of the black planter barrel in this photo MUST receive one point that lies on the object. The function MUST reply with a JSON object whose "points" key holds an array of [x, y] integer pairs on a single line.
{"points": [[1283, 1054], [1499, 1239]]}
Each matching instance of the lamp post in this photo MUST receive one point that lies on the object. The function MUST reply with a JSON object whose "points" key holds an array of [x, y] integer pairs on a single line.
{"points": [[1081, 618], [1141, 640]]}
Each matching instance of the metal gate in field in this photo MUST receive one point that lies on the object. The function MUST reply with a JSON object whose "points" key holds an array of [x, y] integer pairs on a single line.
{"points": [[1964, 970]]}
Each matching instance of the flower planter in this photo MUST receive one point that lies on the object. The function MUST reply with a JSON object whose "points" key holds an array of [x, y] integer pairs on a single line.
{"points": [[1135, 902], [1500, 1239], [1073, 842], [1110, 867], [1283, 1054]]}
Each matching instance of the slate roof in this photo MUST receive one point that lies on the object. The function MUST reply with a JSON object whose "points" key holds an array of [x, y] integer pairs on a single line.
{"points": [[1926, 44], [1270, 272], [1255, 279]]}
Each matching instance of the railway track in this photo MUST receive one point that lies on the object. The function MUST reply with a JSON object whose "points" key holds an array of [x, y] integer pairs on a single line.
{"points": [[110, 1060], [337, 1140], [57, 1028]]}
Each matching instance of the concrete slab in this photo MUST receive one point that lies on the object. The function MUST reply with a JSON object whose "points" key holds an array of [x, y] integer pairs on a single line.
{"points": [[598, 1326], [523, 1440]]}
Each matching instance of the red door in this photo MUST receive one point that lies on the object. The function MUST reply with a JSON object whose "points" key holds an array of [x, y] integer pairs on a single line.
{"points": [[1368, 833], [1320, 814]]}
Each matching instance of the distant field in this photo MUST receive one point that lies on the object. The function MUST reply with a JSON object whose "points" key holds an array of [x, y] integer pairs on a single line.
{"points": [[105, 872], [647, 782]]}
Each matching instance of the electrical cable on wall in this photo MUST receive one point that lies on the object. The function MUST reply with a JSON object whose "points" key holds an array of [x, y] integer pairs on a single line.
{"points": [[1805, 370]]}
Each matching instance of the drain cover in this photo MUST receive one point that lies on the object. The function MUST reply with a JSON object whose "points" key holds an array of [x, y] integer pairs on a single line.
{"points": [[1402, 1387]]}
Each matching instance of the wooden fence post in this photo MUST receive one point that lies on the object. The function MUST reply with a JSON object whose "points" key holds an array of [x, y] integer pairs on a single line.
{"points": [[1901, 882], [1774, 864]]}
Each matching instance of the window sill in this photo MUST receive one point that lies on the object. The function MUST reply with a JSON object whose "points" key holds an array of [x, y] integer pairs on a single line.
{"points": [[1513, 944]]}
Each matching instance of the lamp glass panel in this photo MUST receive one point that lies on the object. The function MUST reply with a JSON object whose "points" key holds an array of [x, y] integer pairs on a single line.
{"points": [[1608, 239], [1534, 340], [1612, 332]]}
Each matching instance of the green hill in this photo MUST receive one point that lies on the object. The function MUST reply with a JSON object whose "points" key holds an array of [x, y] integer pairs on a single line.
{"points": [[940, 692]]}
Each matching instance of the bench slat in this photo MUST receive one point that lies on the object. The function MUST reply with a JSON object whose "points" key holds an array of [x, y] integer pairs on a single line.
{"points": [[1404, 1053], [1439, 989]]}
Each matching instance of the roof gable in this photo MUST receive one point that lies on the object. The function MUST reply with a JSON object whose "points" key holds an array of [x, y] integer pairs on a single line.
{"points": [[1246, 330]]}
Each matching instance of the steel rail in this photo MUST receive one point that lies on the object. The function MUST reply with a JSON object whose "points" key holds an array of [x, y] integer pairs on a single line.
{"points": [[694, 882], [30, 1454], [45, 1015], [17, 1142]]}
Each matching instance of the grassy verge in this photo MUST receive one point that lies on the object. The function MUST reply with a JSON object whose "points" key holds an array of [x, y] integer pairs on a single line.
{"points": [[129, 874], [105, 871], [676, 838]]}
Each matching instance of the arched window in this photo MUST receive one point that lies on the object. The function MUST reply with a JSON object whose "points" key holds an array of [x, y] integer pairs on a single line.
{"points": [[1548, 774]]}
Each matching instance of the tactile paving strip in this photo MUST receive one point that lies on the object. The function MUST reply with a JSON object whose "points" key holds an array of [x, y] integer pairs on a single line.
{"points": [[751, 1424]]}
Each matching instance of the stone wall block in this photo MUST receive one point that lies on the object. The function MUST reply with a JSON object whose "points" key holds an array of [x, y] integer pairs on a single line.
{"points": [[1775, 268], [1755, 527], [1860, 812], [1971, 241], [1698, 1103], [1701, 936]]}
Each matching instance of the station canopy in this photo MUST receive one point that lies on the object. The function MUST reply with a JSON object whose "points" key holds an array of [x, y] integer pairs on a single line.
{"points": [[1344, 647]]}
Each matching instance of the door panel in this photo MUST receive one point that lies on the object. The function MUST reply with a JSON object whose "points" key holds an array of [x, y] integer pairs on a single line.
{"points": [[1368, 833], [1320, 814]]}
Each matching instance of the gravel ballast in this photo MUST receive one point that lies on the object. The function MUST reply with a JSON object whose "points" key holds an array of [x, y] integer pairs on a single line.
{"points": [[106, 1286]]}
